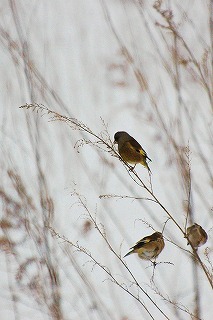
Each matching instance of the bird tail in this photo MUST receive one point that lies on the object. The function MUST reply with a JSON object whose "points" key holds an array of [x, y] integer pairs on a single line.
{"points": [[128, 253], [146, 166], [149, 169]]}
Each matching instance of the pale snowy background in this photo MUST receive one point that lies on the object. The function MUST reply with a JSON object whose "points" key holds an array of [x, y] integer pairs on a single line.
{"points": [[103, 60]]}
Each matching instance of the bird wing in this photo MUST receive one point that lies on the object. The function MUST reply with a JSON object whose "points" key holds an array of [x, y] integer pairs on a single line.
{"points": [[136, 146], [141, 242], [133, 144], [203, 233]]}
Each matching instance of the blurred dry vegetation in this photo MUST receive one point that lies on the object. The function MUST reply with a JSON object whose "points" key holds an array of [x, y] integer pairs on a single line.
{"points": [[70, 207]]}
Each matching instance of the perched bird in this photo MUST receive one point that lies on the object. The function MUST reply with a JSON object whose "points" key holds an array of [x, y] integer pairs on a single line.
{"points": [[130, 150], [149, 247], [196, 235]]}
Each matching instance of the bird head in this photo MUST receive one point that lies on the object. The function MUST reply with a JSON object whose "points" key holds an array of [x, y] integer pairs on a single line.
{"points": [[120, 136]]}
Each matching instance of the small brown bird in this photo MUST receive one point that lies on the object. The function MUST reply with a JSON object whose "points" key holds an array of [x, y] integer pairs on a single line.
{"points": [[149, 247], [196, 235], [130, 150]]}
